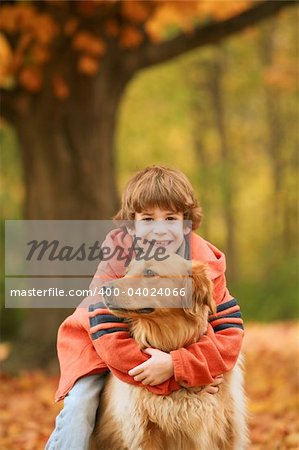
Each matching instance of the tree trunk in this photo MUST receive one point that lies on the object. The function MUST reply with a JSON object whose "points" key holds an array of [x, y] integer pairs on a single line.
{"points": [[69, 173], [214, 82], [201, 122], [275, 139]]}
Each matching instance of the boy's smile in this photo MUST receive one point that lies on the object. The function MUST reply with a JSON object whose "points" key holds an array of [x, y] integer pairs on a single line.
{"points": [[162, 228]]}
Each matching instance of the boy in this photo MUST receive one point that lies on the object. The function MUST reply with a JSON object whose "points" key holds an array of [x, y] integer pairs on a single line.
{"points": [[90, 343]]}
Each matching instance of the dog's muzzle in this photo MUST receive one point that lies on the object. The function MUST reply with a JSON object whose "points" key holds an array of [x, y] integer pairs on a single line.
{"points": [[109, 298]]}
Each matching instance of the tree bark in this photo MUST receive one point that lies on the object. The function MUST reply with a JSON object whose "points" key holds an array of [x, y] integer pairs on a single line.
{"points": [[68, 156], [275, 135], [214, 82]]}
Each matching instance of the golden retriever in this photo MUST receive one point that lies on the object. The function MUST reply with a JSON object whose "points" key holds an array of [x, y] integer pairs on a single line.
{"points": [[132, 418]]}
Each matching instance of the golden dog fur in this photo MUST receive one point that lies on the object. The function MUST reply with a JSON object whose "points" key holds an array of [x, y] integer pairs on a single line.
{"points": [[132, 418]]}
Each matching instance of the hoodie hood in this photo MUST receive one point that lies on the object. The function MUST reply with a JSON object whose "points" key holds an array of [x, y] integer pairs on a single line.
{"points": [[204, 251]]}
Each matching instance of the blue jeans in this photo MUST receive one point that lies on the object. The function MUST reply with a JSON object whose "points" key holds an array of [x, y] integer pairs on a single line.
{"points": [[76, 420]]}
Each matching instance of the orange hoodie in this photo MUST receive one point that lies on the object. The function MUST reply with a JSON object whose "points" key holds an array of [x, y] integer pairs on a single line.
{"points": [[80, 353]]}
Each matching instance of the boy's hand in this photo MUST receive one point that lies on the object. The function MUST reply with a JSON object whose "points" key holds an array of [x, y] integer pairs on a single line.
{"points": [[213, 388], [155, 370]]}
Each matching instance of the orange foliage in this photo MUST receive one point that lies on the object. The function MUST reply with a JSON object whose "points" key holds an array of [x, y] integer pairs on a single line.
{"points": [[136, 11], [40, 54], [87, 7], [24, 41], [185, 14], [272, 383], [26, 411], [111, 28], [271, 365], [34, 32], [61, 89], [283, 74], [130, 37], [70, 26], [6, 60], [170, 14], [44, 29], [23, 17], [31, 78], [88, 42], [220, 10], [19, 17], [88, 66]]}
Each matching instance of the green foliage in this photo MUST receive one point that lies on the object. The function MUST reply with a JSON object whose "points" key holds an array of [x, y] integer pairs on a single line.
{"points": [[274, 298], [11, 187], [11, 198]]}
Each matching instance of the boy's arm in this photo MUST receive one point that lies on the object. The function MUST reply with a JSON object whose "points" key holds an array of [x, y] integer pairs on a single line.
{"points": [[113, 343], [218, 350]]}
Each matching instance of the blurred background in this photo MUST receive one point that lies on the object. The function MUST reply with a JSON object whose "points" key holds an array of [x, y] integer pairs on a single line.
{"points": [[94, 91]]}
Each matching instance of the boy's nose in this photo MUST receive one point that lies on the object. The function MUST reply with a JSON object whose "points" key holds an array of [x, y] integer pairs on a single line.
{"points": [[160, 227]]}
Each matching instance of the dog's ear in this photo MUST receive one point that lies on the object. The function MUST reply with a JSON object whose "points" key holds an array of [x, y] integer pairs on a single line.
{"points": [[202, 288]]}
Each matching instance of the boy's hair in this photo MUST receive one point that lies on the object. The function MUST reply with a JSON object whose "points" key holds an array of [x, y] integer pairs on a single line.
{"points": [[167, 188]]}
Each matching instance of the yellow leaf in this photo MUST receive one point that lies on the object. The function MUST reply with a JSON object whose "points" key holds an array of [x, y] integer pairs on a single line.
{"points": [[6, 60], [292, 440]]}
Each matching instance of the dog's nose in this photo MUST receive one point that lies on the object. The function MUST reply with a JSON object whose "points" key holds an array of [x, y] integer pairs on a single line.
{"points": [[106, 291], [107, 295]]}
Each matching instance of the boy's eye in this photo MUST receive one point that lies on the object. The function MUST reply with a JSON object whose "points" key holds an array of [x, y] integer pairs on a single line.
{"points": [[171, 218], [147, 219]]}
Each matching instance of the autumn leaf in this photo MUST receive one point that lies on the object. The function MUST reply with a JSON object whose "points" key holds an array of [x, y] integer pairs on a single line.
{"points": [[71, 26], [31, 78], [111, 28], [61, 89], [5, 349], [6, 60], [38, 25], [136, 11], [130, 37], [89, 43], [88, 65]]}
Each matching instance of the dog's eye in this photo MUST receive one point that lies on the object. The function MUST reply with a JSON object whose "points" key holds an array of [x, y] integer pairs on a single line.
{"points": [[149, 273]]}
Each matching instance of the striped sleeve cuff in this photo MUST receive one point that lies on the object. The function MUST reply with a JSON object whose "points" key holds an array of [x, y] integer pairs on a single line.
{"points": [[102, 322], [228, 315]]}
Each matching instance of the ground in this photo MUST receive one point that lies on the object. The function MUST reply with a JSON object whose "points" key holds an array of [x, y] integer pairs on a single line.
{"points": [[27, 411]]}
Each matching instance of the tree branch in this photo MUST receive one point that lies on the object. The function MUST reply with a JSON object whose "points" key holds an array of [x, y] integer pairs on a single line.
{"points": [[150, 53]]}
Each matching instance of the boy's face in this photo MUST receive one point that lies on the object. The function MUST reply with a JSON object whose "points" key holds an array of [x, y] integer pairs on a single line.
{"points": [[163, 228]]}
